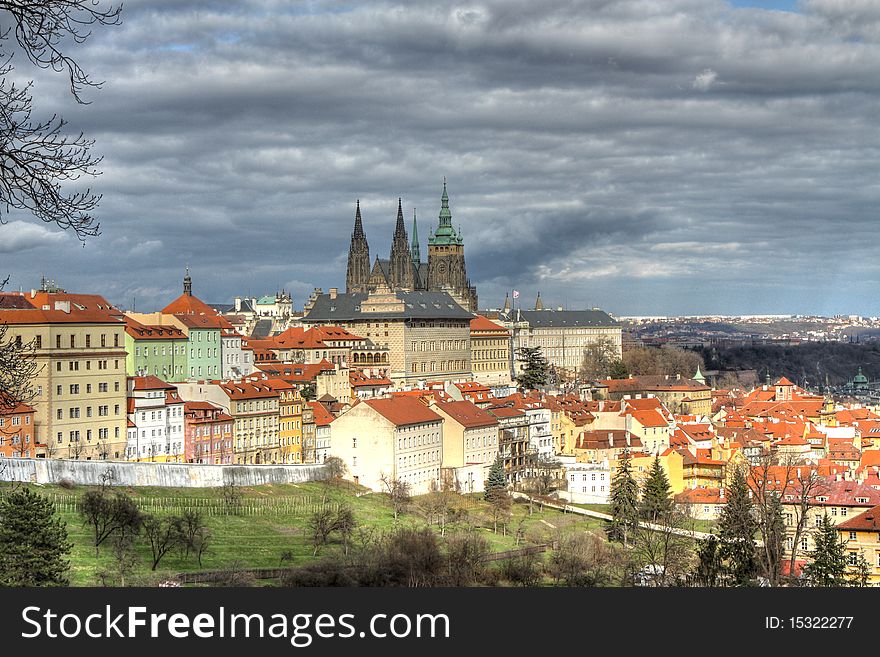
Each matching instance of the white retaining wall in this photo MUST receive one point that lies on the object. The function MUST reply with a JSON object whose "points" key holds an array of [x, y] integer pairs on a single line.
{"points": [[177, 475]]}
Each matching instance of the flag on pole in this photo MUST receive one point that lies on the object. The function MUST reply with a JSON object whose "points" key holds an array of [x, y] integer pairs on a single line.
{"points": [[516, 294]]}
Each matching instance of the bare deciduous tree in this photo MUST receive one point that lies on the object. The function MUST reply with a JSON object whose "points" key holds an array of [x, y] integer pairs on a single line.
{"points": [[398, 492]]}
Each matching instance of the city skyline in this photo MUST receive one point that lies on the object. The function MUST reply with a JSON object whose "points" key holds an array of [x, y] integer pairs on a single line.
{"points": [[672, 158]]}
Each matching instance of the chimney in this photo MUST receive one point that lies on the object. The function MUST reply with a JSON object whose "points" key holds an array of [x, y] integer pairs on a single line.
{"points": [[627, 438], [238, 304], [610, 439], [333, 292]]}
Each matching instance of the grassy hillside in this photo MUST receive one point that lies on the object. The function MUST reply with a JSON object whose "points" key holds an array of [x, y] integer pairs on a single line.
{"points": [[272, 520]]}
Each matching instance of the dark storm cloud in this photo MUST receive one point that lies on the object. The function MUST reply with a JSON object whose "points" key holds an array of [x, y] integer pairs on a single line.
{"points": [[647, 156]]}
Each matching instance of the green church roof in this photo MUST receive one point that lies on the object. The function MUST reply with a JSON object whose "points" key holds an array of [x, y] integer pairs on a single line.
{"points": [[445, 233]]}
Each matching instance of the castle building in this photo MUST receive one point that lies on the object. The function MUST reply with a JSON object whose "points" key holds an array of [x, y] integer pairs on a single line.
{"points": [[404, 271]]}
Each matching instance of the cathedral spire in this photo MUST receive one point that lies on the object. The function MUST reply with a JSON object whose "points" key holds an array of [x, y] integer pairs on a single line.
{"points": [[539, 305], [445, 213], [187, 284], [358, 226], [400, 263], [416, 254], [399, 229], [358, 273]]}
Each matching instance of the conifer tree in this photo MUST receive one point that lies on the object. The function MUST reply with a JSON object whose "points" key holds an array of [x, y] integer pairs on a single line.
{"points": [[496, 482], [656, 493], [535, 371], [828, 565], [33, 541], [624, 501], [736, 530], [709, 564]]}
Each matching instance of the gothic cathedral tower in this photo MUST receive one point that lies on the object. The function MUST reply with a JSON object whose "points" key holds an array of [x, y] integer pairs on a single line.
{"points": [[400, 263], [446, 268], [358, 272]]}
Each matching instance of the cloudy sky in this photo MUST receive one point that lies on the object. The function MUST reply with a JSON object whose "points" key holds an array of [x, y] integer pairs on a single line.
{"points": [[642, 156]]}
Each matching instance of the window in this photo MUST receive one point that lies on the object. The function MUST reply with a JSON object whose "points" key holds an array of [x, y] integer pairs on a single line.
{"points": [[103, 339], [74, 388], [853, 558], [60, 414], [852, 536], [354, 443], [39, 343], [88, 340], [58, 390], [72, 341], [805, 543], [115, 339], [58, 366]]}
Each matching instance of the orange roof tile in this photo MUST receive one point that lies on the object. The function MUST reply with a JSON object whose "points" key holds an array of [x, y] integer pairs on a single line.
{"points": [[403, 411], [467, 414]]}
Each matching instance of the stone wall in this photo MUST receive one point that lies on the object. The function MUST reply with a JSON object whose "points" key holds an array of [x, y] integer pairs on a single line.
{"points": [[177, 475]]}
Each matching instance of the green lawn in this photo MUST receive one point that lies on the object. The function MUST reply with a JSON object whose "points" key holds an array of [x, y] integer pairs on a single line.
{"points": [[273, 521]]}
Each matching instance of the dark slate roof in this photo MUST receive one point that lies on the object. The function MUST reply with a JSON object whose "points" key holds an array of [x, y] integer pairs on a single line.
{"points": [[568, 318], [262, 329], [229, 308], [419, 305]]}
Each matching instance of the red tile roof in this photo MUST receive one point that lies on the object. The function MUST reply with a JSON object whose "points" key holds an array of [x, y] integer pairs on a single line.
{"points": [[649, 418], [867, 521], [323, 417], [607, 439], [701, 495], [187, 304], [467, 414], [6, 407], [480, 323], [63, 308], [149, 382], [237, 390], [403, 411]]}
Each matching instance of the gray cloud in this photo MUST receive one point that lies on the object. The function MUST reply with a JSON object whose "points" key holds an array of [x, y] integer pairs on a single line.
{"points": [[645, 156]]}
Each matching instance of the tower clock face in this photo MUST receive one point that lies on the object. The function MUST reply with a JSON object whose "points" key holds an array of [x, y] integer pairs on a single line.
{"points": [[441, 268]]}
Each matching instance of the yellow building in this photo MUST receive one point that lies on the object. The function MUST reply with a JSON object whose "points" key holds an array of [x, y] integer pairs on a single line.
{"points": [[862, 536], [490, 352], [671, 461], [290, 405], [79, 386]]}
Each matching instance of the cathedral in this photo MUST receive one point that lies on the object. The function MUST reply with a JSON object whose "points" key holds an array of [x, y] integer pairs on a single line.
{"points": [[404, 270]]}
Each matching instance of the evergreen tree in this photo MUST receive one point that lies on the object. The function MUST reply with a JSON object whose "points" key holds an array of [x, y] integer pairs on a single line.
{"points": [[709, 566], [535, 370], [497, 481], [828, 565], [618, 370], [862, 573], [656, 493], [33, 541], [736, 529], [624, 501]]}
